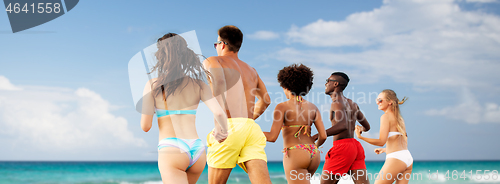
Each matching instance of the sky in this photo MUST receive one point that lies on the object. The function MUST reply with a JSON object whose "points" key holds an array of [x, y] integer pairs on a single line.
{"points": [[65, 88]]}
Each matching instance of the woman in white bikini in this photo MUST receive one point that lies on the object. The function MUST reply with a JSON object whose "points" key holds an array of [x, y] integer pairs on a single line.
{"points": [[398, 161]]}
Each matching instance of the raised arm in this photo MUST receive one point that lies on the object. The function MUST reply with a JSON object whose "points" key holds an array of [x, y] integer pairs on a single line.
{"points": [[263, 99], [217, 80], [278, 120], [318, 123], [384, 132], [147, 108], [220, 116]]}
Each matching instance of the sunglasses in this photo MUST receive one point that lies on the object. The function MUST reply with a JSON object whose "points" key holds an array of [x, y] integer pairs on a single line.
{"points": [[328, 80], [218, 42], [379, 100]]}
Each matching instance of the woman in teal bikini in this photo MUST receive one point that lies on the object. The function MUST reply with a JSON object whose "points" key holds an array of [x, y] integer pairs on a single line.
{"points": [[296, 117], [175, 96]]}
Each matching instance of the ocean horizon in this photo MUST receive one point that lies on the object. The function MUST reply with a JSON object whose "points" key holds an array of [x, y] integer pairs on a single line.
{"points": [[146, 172]]}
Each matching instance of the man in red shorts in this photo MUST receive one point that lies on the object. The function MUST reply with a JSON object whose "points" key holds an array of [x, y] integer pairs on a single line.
{"points": [[347, 156]]}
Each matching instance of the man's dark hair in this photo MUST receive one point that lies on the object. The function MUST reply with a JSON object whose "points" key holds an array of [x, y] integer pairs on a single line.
{"points": [[296, 78], [342, 84], [233, 36]]}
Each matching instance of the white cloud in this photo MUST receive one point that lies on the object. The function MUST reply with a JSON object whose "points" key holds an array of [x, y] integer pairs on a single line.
{"points": [[432, 44], [55, 120], [470, 110], [481, 1], [264, 35], [6, 85]]}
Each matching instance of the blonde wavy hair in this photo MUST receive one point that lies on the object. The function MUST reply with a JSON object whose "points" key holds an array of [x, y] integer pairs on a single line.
{"points": [[391, 96]]}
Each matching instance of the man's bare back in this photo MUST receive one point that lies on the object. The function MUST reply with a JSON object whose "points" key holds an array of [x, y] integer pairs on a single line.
{"points": [[343, 111], [348, 109], [239, 79], [242, 84]]}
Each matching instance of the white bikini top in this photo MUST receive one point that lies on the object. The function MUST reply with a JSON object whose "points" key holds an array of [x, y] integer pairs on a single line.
{"points": [[393, 134]]}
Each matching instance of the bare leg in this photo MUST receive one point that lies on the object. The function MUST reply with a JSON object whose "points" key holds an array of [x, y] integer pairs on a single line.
{"points": [[298, 176], [327, 178], [218, 176], [257, 171], [172, 164], [194, 172], [389, 172], [299, 168], [316, 160], [359, 176], [404, 179]]}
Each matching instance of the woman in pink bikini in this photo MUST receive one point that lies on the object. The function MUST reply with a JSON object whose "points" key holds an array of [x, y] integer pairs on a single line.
{"points": [[296, 117], [398, 161]]}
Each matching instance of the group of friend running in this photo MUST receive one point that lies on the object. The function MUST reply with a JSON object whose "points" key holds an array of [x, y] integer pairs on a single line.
{"points": [[236, 139]]}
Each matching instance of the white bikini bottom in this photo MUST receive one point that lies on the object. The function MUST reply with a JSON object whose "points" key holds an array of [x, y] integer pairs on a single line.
{"points": [[403, 155]]}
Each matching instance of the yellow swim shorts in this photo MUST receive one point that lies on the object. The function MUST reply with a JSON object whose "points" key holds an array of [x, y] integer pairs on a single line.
{"points": [[245, 142]]}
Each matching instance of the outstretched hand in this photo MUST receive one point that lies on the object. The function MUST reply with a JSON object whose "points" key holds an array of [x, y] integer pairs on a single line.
{"points": [[358, 130], [379, 150], [219, 135]]}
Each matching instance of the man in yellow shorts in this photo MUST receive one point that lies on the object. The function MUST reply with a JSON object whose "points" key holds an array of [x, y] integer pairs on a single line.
{"points": [[235, 84]]}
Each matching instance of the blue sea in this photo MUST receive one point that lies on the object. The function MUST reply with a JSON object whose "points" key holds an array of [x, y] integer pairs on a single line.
{"points": [[147, 172]]}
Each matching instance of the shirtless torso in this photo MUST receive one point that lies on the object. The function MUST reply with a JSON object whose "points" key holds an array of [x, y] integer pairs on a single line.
{"points": [[235, 85], [241, 85], [347, 154]]}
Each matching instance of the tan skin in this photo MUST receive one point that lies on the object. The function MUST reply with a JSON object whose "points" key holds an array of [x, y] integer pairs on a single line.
{"points": [[172, 162], [292, 113], [343, 127], [388, 123], [235, 82]]}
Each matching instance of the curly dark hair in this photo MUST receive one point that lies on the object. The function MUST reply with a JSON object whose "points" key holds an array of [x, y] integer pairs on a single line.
{"points": [[296, 78]]}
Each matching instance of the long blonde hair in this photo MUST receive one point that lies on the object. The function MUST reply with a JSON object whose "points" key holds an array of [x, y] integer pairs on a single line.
{"points": [[390, 95]]}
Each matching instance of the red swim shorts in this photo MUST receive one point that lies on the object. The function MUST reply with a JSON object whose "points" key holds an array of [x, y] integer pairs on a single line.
{"points": [[346, 154]]}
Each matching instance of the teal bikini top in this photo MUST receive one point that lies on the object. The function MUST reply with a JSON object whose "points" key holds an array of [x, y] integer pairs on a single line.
{"points": [[161, 112]]}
